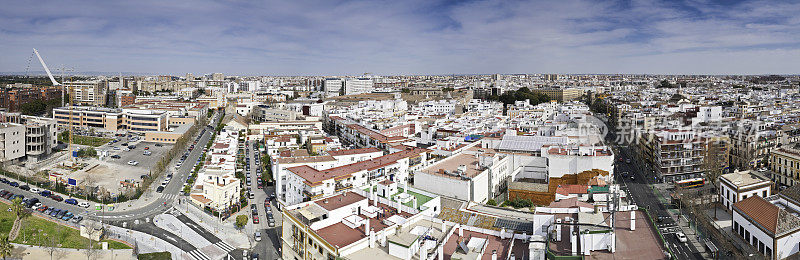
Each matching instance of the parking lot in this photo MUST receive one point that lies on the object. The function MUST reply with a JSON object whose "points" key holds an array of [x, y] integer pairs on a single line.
{"points": [[119, 160]]}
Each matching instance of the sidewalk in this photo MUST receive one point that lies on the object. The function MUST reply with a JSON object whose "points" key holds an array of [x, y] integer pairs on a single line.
{"points": [[145, 242], [35, 252], [226, 231]]}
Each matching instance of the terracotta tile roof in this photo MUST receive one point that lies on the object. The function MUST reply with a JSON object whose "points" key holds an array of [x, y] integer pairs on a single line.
{"points": [[353, 151], [314, 177], [759, 210], [567, 189], [570, 203], [340, 200], [201, 198]]}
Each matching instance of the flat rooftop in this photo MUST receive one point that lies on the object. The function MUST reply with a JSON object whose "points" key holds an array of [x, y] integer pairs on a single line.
{"points": [[452, 164]]}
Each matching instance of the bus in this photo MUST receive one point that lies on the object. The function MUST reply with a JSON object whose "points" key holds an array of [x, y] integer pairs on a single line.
{"points": [[690, 183]]}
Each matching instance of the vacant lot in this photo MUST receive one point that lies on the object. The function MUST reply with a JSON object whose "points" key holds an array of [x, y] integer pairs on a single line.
{"points": [[83, 140]]}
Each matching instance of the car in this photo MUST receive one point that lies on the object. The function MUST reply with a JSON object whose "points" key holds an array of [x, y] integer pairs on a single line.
{"points": [[178, 166], [45, 193], [628, 161], [116, 148], [35, 190], [159, 145], [83, 204], [147, 148], [30, 202], [8, 195], [25, 187], [271, 222], [160, 189], [61, 213], [661, 219], [54, 212], [48, 211], [14, 184], [116, 156], [257, 236], [134, 163], [255, 220], [37, 206], [681, 237], [42, 209], [71, 201], [254, 256], [4, 180], [77, 219], [56, 198], [67, 216]]}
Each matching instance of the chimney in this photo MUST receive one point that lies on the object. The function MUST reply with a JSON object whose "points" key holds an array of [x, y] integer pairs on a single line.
{"points": [[371, 238], [366, 228], [460, 231], [494, 254]]}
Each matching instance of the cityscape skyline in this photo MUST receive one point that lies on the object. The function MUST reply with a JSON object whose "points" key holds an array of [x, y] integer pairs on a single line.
{"points": [[407, 38]]}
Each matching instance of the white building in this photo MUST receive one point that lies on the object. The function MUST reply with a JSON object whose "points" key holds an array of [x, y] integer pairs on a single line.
{"points": [[770, 225], [332, 86], [473, 175], [739, 185], [358, 86], [12, 139]]}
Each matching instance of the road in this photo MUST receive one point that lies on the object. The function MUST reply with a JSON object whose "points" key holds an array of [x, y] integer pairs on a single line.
{"points": [[267, 248], [641, 194]]}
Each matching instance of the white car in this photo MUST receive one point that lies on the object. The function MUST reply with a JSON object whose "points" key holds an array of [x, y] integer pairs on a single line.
{"points": [[681, 237], [258, 236], [134, 163], [35, 190], [83, 204]]}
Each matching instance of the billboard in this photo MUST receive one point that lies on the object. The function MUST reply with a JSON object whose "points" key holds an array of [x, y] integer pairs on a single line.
{"points": [[72, 182]]}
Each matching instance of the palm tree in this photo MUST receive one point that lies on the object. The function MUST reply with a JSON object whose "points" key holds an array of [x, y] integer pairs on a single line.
{"points": [[5, 247]]}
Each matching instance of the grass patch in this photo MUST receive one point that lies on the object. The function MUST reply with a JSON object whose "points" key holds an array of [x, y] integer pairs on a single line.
{"points": [[156, 256], [83, 140], [421, 199], [36, 229]]}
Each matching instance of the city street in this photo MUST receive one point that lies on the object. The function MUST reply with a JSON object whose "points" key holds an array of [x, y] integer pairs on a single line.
{"points": [[641, 194], [268, 247]]}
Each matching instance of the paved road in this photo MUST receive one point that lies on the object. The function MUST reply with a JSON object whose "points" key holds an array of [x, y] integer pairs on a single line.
{"points": [[269, 244], [642, 194]]}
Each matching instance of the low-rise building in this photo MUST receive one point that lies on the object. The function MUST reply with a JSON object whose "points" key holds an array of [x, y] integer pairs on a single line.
{"points": [[739, 185]]}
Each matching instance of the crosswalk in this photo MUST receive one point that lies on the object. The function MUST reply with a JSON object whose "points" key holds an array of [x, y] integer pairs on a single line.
{"points": [[199, 255], [224, 246], [169, 196]]}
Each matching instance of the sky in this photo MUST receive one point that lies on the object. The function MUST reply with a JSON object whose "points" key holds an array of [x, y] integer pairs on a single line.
{"points": [[341, 37]]}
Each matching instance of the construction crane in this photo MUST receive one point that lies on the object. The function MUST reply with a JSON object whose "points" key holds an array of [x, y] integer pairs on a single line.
{"points": [[68, 89]]}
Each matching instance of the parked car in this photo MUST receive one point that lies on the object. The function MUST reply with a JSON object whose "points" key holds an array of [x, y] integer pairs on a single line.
{"points": [[54, 212], [42, 208], [56, 197], [14, 184], [35, 190], [25, 187], [257, 236], [83, 204], [77, 219], [67, 216], [160, 189], [45, 193], [255, 220], [116, 156], [71, 201], [133, 163]]}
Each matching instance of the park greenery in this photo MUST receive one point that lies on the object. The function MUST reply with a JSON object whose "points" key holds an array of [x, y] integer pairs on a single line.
{"points": [[241, 220]]}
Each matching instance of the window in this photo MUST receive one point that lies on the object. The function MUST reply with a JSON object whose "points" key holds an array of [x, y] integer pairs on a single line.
{"points": [[765, 194]]}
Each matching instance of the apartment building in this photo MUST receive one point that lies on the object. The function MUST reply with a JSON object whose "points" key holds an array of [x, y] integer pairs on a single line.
{"points": [[751, 143], [12, 96], [332, 86], [477, 174], [677, 154], [12, 142], [304, 183], [739, 185], [363, 225], [784, 164], [41, 136], [217, 187], [358, 86], [265, 114], [87, 93], [560, 94]]}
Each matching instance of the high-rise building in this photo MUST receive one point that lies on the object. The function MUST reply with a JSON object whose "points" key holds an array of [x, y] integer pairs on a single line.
{"points": [[358, 86], [333, 86]]}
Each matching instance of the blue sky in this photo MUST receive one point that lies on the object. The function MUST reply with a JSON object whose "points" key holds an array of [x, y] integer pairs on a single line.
{"points": [[340, 37]]}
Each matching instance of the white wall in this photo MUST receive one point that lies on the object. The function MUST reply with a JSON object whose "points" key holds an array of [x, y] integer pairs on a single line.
{"points": [[437, 184], [755, 232]]}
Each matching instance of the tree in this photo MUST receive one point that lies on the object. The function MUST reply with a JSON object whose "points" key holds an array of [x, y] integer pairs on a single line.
{"points": [[21, 212], [5, 247], [491, 202], [241, 220], [51, 244]]}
